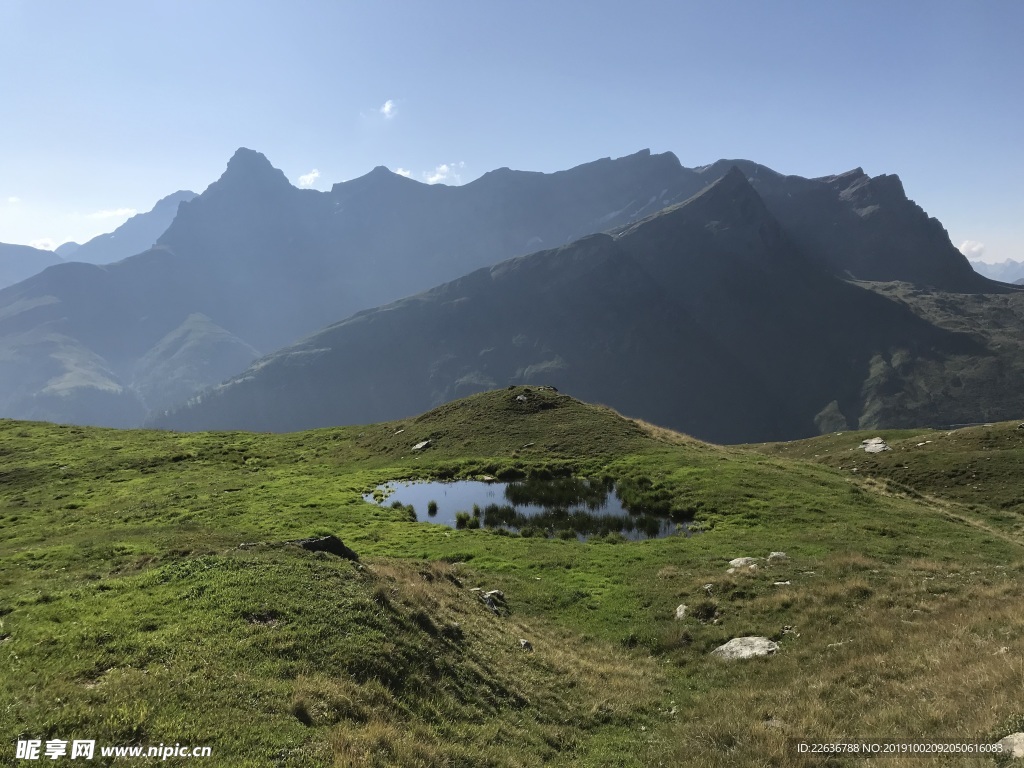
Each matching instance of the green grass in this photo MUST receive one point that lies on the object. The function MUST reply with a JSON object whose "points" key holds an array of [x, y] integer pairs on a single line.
{"points": [[147, 595]]}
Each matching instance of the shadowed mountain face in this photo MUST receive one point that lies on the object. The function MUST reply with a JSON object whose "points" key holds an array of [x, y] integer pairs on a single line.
{"points": [[263, 264], [136, 235], [705, 317], [863, 227], [18, 262]]}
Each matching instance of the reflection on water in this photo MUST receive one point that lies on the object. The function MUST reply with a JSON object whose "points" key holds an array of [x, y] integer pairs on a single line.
{"points": [[567, 507]]}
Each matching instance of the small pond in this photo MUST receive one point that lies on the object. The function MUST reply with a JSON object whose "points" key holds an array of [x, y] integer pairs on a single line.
{"points": [[567, 507]]}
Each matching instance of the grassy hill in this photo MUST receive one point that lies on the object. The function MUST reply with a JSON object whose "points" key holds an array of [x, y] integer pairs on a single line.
{"points": [[148, 595]]}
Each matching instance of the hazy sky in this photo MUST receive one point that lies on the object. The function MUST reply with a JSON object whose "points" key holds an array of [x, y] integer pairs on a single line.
{"points": [[107, 106]]}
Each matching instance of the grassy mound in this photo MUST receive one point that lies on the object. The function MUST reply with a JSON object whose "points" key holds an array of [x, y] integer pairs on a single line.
{"points": [[148, 595]]}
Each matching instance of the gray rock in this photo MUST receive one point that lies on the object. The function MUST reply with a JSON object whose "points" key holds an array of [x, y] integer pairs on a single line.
{"points": [[1013, 745], [421, 446], [495, 600], [526, 645], [680, 613], [874, 445], [778, 557], [746, 648]]}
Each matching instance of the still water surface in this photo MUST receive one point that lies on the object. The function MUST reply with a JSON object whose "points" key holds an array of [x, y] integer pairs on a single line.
{"points": [[560, 506]]}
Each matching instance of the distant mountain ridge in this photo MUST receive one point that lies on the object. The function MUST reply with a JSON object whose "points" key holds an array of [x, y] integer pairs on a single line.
{"points": [[19, 262], [1008, 271], [264, 263], [136, 235], [704, 317]]}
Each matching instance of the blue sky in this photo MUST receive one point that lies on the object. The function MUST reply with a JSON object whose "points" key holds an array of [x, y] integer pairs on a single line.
{"points": [[109, 105]]}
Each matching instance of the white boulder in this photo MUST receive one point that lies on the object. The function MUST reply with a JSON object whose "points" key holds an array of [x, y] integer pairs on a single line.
{"points": [[1013, 745], [746, 648]]}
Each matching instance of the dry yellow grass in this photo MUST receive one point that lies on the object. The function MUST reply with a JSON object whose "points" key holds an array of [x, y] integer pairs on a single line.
{"points": [[916, 653]]}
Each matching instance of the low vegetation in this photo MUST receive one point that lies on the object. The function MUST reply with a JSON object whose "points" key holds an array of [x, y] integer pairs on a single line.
{"points": [[149, 593]]}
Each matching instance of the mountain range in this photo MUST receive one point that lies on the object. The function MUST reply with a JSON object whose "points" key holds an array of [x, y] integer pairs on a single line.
{"points": [[723, 306], [706, 316], [1008, 271]]}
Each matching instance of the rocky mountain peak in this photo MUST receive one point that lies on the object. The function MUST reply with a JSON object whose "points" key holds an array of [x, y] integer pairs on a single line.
{"points": [[248, 167]]}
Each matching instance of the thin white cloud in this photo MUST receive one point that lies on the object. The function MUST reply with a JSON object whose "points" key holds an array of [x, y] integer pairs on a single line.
{"points": [[307, 180], [112, 213], [446, 173], [13, 200], [388, 109], [403, 172], [972, 249], [44, 243]]}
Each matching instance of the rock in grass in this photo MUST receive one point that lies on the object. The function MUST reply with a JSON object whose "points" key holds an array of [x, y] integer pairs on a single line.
{"points": [[874, 445], [421, 446], [746, 648], [495, 600], [742, 562], [526, 645], [680, 613], [330, 544], [778, 557], [1013, 745]]}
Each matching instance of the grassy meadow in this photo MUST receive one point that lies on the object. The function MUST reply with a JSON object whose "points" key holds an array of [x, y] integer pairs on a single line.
{"points": [[148, 594]]}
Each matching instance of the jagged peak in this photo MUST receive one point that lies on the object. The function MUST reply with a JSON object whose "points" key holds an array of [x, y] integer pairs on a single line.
{"points": [[247, 166], [851, 175]]}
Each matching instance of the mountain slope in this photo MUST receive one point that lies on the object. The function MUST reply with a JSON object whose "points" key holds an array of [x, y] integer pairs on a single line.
{"points": [[18, 262], [703, 317], [136, 235], [862, 227]]}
